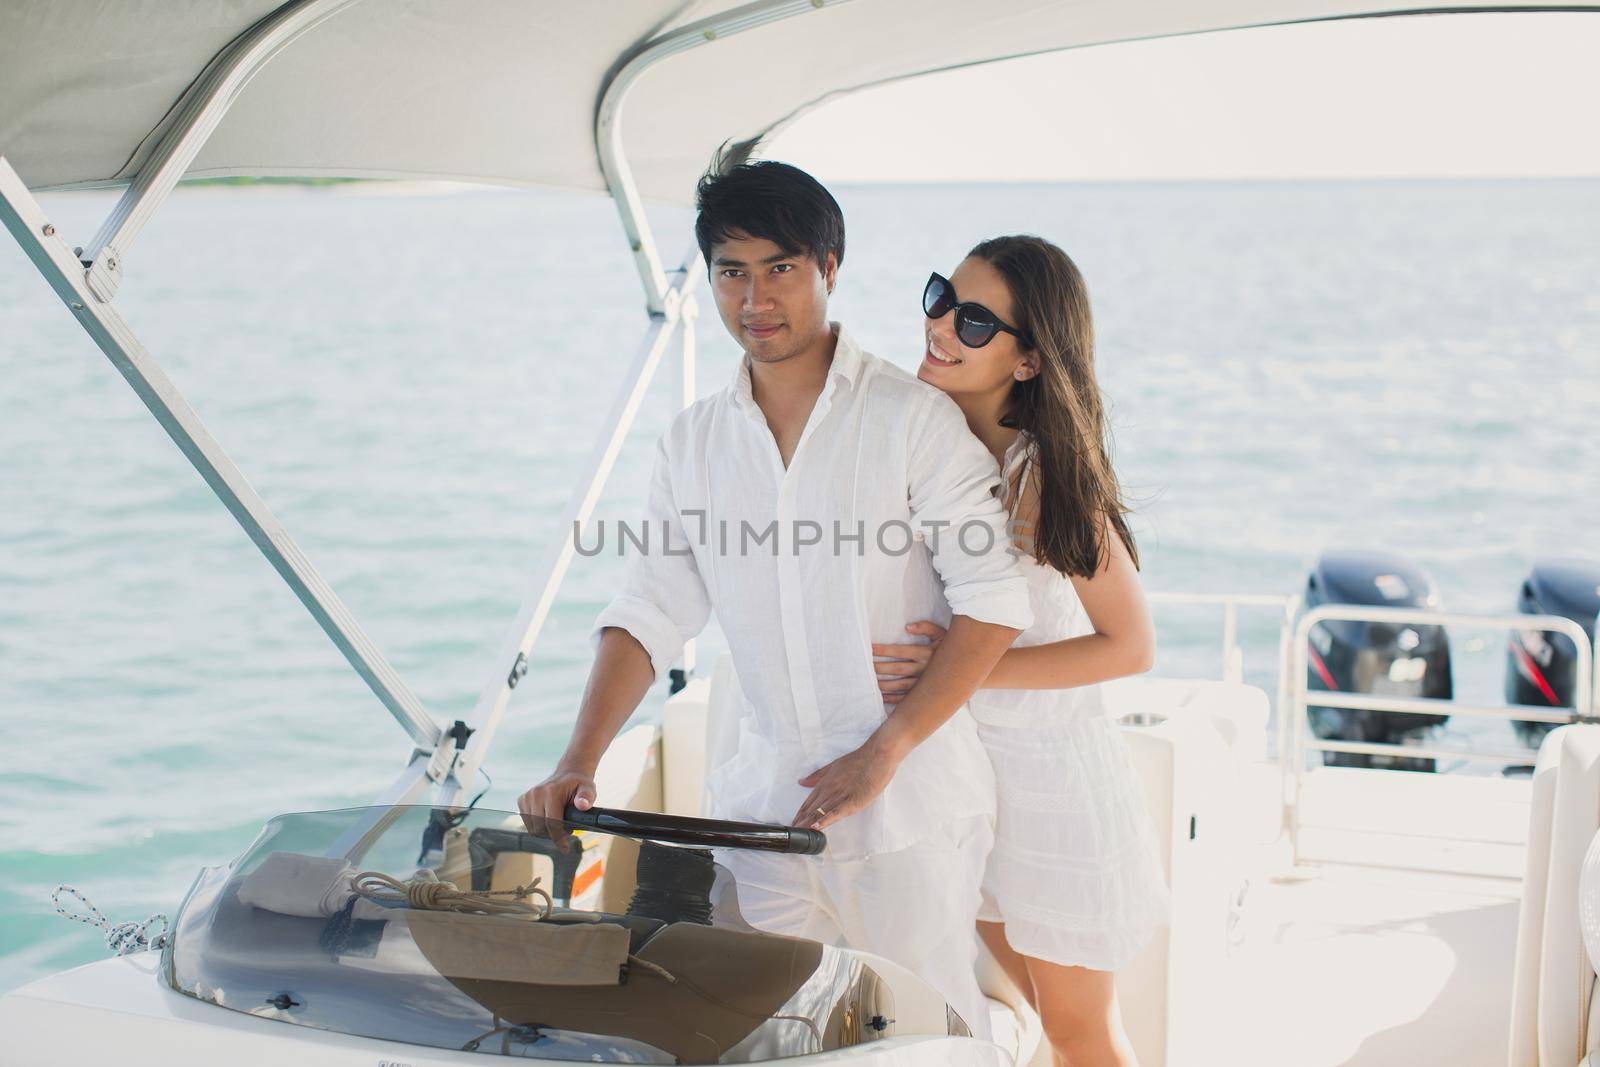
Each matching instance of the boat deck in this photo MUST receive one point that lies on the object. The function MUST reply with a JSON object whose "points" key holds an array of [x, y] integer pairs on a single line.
{"points": [[1393, 941]]}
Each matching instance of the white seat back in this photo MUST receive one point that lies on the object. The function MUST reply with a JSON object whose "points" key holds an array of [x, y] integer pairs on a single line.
{"points": [[1168, 992], [1238, 712], [683, 748], [1553, 981], [1565, 975], [1530, 917]]}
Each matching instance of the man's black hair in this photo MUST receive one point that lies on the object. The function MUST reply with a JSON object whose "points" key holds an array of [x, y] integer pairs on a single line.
{"points": [[773, 201]]}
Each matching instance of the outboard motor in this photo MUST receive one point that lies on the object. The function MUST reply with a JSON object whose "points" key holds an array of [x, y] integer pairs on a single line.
{"points": [[1540, 665], [1370, 657]]}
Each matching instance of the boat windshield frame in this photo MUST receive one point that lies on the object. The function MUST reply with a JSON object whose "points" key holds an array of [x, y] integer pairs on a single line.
{"points": [[607, 936]]}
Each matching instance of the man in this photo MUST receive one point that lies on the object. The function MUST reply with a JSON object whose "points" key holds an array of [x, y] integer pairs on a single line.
{"points": [[810, 503]]}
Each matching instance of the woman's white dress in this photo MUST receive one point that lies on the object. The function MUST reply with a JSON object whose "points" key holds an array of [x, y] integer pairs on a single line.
{"points": [[1074, 875]]}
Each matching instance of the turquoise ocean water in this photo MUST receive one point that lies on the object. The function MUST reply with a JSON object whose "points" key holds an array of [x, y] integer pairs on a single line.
{"points": [[411, 381]]}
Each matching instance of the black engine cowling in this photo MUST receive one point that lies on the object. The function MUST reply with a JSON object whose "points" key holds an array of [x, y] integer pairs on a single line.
{"points": [[1369, 657], [1541, 665]]}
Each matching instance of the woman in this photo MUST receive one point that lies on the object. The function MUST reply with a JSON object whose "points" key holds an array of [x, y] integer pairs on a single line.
{"points": [[1074, 886]]}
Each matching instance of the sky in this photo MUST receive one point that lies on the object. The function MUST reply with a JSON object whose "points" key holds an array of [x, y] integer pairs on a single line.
{"points": [[1483, 95]]}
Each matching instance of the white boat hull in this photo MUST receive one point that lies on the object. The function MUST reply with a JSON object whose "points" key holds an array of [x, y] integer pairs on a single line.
{"points": [[119, 1011]]}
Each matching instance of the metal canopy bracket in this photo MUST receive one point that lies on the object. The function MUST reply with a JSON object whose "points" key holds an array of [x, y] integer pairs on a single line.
{"points": [[200, 111], [104, 274]]}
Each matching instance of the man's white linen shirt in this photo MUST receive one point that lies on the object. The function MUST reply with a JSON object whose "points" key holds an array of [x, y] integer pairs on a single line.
{"points": [[808, 566]]}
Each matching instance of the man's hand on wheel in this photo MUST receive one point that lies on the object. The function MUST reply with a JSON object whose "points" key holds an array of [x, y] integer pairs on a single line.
{"points": [[543, 808]]}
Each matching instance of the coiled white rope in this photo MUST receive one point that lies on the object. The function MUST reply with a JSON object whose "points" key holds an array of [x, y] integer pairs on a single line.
{"points": [[427, 892], [121, 938]]}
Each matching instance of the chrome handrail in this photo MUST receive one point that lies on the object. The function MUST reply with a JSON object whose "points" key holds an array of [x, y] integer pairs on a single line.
{"points": [[1297, 725], [1231, 603]]}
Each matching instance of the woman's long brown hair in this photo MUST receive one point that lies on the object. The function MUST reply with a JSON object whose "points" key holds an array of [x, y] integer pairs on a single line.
{"points": [[1060, 407]]}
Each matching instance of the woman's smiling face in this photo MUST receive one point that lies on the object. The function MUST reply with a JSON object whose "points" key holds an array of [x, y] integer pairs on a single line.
{"points": [[956, 368]]}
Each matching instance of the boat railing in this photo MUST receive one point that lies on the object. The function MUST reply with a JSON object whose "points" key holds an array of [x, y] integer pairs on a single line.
{"points": [[1295, 737], [1284, 607], [1232, 656]]}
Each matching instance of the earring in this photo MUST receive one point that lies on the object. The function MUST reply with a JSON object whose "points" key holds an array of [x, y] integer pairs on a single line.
{"points": [[1019, 375]]}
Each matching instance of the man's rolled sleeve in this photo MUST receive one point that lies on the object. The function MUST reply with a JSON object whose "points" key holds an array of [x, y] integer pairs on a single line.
{"points": [[663, 602], [953, 478]]}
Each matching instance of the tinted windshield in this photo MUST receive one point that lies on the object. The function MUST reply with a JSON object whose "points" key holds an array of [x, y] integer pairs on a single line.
{"points": [[475, 930]]}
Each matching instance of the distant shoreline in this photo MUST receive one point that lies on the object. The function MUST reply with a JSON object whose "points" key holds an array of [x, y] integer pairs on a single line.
{"points": [[370, 187]]}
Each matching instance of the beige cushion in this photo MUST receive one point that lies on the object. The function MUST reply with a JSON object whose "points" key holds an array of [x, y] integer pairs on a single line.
{"points": [[513, 870], [683, 748]]}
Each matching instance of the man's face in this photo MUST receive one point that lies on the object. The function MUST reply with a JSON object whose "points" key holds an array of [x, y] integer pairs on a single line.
{"points": [[774, 303]]}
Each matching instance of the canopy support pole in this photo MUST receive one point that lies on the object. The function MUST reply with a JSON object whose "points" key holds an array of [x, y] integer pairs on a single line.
{"points": [[512, 662], [199, 112], [687, 395], [49, 253]]}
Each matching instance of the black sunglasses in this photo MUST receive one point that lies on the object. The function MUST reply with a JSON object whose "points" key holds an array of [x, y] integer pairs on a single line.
{"points": [[976, 325]]}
